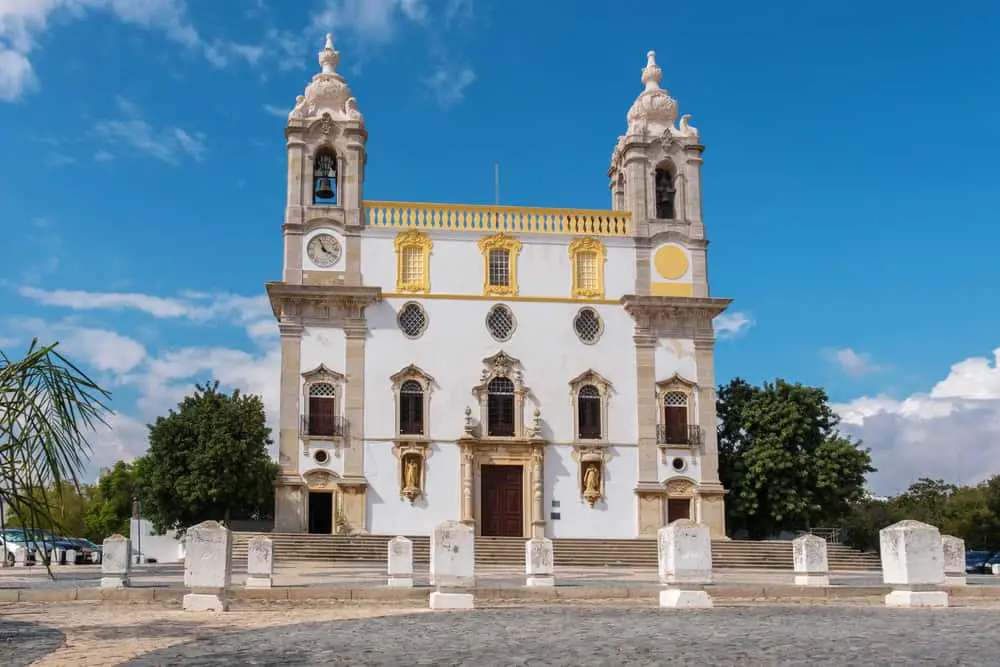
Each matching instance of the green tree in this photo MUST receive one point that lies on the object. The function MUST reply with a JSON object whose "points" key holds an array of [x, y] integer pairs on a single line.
{"points": [[208, 460], [111, 510], [785, 464], [48, 407]]}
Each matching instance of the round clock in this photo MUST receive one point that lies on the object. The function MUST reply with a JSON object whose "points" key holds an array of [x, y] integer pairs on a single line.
{"points": [[324, 250]]}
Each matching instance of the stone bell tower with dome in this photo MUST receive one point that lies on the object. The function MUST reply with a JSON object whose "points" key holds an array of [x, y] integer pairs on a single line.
{"points": [[527, 371]]}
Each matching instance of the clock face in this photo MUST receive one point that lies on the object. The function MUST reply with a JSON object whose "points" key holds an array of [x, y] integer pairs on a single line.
{"points": [[324, 250]]}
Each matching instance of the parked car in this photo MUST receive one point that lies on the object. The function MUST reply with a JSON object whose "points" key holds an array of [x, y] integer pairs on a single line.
{"points": [[90, 552], [987, 567], [13, 538], [975, 561]]}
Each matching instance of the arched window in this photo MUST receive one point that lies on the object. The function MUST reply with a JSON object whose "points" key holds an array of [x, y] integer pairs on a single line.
{"points": [[675, 418], [589, 412], [323, 409], [411, 408], [325, 177], [665, 194], [500, 407]]}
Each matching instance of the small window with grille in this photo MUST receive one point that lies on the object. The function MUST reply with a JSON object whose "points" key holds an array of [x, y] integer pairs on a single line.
{"points": [[413, 265], [586, 271], [589, 412], [412, 320], [587, 325], [499, 268], [500, 323], [411, 408], [500, 407]]}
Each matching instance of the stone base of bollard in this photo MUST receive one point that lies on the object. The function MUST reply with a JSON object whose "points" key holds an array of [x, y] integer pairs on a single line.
{"points": [[399, 582], [258, 582], [955, 580], [441, 600], [205, 602], [685, 598], [114, 582], [540, 582], [917, 598], [812, 580]]}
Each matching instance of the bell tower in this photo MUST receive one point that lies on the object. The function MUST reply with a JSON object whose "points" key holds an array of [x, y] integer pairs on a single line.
{"points": [[326, 139]]}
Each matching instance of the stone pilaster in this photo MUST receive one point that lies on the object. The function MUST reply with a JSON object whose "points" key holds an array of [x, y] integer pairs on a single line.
{"points": [[711, 508], [692, 199], [354, 484], [699, 269], [466, 501], [296, 148], [537, 491], [288, 496], [648, 490]]}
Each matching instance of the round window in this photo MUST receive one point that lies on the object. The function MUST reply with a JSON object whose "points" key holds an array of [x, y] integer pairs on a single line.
{"points": [[500, 322], [678, 464], [321, 456], [587, 325], [412, 320]]}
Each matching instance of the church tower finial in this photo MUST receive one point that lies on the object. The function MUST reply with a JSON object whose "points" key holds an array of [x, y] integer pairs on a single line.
{"points": [[329, 57], [652, 75]]}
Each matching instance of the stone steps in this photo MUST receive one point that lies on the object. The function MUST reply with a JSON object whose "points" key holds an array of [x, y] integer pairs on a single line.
{"points": [[775, 555]]}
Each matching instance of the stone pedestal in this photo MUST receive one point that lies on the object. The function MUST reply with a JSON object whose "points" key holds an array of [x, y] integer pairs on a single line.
{"points": [[400, 565], [954, 560], [810, 561], [685, 565], [539, 562], [71, 556], [207, 567], [913, 564], [116, 562], [260, 562], [20, 556], [453, 561]]}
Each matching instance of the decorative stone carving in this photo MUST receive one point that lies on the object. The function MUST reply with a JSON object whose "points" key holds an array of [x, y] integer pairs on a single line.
{"points": [[685, 565], [320, 479], [913, 564], [470, 426], [679, 488], [810, 561], [328, 92], [590, 466], [502, 364], [412, 457], [535, 429]]}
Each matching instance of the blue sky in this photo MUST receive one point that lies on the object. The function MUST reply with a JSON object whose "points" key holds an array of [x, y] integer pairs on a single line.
{"points": [[849, 180]]}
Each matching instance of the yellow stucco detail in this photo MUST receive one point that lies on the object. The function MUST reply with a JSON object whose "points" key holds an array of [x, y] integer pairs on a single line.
{"points": [[510, 245], [486, 297], [586, 260], [413, 261], [671, 262], [672, 289]]}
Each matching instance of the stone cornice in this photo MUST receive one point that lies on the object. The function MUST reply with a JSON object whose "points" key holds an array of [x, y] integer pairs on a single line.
{"points": [[674, 306], [289, 302]]}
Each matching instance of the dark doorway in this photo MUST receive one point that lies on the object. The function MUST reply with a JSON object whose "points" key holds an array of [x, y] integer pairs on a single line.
{"points": [[502, 509], [678, 508], [321, 512]]}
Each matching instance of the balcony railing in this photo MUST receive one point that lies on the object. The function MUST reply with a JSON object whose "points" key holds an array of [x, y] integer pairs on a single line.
{"points": [[316, 426], [687, 437], [510, 219]]}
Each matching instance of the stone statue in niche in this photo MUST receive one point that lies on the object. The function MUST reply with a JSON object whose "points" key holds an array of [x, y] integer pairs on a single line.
{"points": [[592, 482], [411, 477]]}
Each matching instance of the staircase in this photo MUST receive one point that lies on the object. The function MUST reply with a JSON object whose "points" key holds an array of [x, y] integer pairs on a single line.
{"points": [[771, 555]]}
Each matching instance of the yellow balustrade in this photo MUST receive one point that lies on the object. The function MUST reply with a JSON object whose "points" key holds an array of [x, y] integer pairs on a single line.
{"points": [[509, 219]]}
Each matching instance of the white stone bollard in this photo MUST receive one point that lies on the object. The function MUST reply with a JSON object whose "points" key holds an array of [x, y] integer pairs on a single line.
{"points": [[539, 562], [71, 556], [453, 565], [685, 565], [20, 556], [116, 565], [954, 560], [208, 567], [260, 562], [913, 564], [400, 566], [809, 558], [39, 557], [59, 556]]}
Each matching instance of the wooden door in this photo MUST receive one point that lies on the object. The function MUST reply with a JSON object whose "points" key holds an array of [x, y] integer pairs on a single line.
{"points": [[678, 508], [502, 507]]}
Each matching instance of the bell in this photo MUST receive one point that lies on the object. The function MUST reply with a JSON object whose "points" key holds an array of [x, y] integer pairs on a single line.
{"points": [[324, 188]]}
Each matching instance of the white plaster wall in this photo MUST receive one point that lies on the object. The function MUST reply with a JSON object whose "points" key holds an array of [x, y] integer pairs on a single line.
{"points": [[692, 469], [674, 355], [388, 514], [613, 517], [323, 345], [335, 462], [456, 264], [307, 263], [455, 342]]}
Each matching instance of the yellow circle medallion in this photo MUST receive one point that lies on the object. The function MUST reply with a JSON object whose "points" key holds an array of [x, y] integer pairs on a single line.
{"points": [[671, 262]]}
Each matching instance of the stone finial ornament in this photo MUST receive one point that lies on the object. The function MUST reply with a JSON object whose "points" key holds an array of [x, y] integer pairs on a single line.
{"points": [[654, 112], [328, 92]]}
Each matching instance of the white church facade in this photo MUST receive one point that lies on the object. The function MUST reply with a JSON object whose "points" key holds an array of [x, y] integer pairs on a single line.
{"points": [[529, 371]]}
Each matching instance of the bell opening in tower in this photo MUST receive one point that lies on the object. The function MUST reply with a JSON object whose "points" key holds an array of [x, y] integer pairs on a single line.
{"points": [[325, 178]]}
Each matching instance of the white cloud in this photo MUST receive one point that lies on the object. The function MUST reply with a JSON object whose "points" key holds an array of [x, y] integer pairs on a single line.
{"points": [[732, 324], [16, 75], [99, 349], [849, 361], [952, 432], [280, 112], [133, 132], [372, 20], [448, 83]]}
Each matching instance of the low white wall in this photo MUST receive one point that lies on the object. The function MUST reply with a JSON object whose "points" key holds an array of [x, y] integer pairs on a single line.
{"points": [[164, 548]]}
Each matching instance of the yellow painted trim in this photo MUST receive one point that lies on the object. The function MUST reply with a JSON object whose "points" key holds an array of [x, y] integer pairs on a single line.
{"points": [[510, 219], [673, 289], [489, 297], [512, 246], [413, 238], [671, 262], [587, 244]]}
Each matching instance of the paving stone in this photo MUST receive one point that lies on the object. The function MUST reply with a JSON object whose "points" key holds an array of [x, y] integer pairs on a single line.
{"points": [[24, 643], [584, 637]]}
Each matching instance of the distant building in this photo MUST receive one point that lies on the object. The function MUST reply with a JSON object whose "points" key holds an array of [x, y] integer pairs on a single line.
{"points": [[528, 371]]}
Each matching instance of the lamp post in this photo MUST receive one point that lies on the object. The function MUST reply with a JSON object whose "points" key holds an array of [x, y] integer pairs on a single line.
{"points": [[136, 518]]}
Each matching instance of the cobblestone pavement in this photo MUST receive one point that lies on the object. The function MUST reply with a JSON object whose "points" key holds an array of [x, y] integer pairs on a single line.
{"points": [[580, 637], [22, 643]]}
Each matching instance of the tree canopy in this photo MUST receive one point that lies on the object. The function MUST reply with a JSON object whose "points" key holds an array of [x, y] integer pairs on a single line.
{"points": [[111, 509], [785, 464], [208, 460]]}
